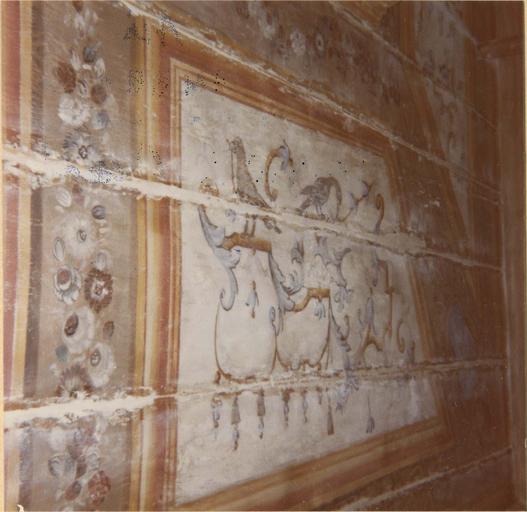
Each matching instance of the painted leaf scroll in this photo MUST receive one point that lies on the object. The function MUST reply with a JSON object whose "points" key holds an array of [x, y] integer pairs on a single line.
{"points": [[285, 323]]}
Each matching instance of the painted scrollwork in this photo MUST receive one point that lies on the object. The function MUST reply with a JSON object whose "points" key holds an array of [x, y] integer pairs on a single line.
{"points": [[316, 195], [282, 153], [239, 310], [347, 296], [228, 257]]}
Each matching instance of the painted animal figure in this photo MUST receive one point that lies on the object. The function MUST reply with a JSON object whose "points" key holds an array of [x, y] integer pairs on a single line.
{"points": [[244, 186], [318, 194], [241, 178]]}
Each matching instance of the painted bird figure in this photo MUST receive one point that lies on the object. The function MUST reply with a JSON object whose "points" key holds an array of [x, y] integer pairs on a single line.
{"points": [[241, 178], [318, 194], [243, 184]]}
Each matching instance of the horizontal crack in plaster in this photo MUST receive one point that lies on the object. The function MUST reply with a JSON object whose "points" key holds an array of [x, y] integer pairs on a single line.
{"points": [[397, 243], [84, 407], [199, 36], [76, 409]]}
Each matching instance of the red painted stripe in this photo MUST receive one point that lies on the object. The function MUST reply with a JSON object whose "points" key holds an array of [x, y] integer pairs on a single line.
{"points": [[164, 303]]}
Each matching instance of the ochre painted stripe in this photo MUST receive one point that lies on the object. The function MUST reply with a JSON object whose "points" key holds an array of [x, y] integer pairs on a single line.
{"points": [[11, 69], [153, 292], [23, 274], [25, 72]]}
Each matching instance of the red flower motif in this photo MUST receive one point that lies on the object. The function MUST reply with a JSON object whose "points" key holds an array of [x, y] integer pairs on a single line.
{"points": [[98, 289], [66, 76], [73, 491], [74, 380], [99, 486]]}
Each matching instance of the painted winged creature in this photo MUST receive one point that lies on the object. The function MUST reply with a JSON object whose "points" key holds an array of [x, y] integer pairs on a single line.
{"points": [[318, 194]]}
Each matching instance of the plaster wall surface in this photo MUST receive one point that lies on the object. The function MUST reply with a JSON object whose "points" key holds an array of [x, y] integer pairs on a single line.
{"points": [[259, 256]]}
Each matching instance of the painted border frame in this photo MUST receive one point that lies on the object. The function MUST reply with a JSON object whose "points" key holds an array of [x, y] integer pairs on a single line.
{"points": [[315, 483]]}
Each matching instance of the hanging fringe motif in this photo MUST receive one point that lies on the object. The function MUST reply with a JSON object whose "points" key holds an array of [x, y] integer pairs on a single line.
{"points": [[320, 395]]}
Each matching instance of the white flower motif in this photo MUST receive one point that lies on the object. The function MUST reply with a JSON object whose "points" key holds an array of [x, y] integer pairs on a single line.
{"points": [[84, 22], [103, 260], [80, 235], [320, 43], [100, 120], [101, 364], [63, 197], [62, 466], [79, 147], [298, 42], [73, 111], [57, 439], [67, 283], [59, 249], [93, 458], [79, 330], [75, 60], [99, 68]]}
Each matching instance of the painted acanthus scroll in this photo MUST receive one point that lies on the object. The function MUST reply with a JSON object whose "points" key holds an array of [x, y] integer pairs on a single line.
{"points": [[298, 305], [268, 301], [228, 257]]}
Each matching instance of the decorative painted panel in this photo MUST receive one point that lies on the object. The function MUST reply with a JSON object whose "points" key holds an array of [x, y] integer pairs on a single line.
{"points": [[86, 253], [231, 286], [288, 332]]}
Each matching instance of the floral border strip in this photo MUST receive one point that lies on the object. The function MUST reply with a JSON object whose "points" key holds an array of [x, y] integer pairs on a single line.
{"points": [[81, 279], [86, 103]]}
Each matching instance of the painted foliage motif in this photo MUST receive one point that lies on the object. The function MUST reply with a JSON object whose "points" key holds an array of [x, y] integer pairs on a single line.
{"points": [[296, 311]]}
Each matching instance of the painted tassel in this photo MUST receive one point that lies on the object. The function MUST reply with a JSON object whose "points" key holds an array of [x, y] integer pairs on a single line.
{"points": [[305, 405], [215, 405], [370, 427], [331, 429], [235, 420], [320, 395], [260, 411], [286, 395]]}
